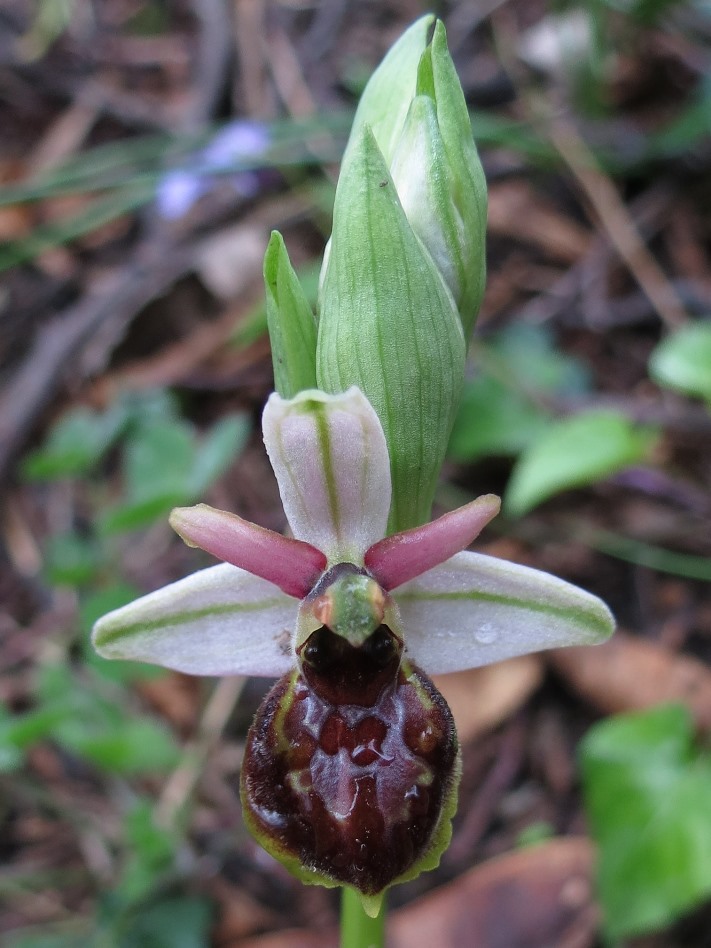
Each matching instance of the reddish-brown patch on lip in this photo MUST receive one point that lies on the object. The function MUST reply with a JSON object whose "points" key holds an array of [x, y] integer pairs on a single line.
{"points": [[352, 791]]}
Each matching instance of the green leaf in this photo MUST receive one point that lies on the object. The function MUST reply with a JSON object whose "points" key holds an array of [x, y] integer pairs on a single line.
{"points": [[19, 732], [71, 560], [167, 465], [687, 129], [75, 443], [217, 449], [683, 361], [172, 923], [292, 327], [151, 852], [494, 419], [128, 746], [389, 325], [527, 356], [575, 452], [134, 515], [76, 715], [39, 940], [647, 797], [158, 460], [535, 833], [500, 412]]}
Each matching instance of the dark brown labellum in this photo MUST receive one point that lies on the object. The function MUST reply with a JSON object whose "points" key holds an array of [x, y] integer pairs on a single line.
{"points": [[349, 762]]}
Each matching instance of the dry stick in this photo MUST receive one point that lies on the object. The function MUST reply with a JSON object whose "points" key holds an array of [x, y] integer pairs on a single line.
{"points": [[647, 212], [498, 779], [288, 75], [250, 20], [211, 62], [116, 298], [186, 775], [617, 222], [104, 310]]}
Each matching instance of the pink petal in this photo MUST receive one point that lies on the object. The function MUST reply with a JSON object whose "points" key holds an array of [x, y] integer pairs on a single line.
{"points": [[400, 558], [292, 565]]}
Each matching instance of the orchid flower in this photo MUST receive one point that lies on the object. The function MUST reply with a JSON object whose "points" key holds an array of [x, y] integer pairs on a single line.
{"points": [[351, 765]]}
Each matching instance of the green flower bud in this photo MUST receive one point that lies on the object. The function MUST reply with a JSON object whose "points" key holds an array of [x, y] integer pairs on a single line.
{"points": [[415, 106], [454, 187], [386, 98]]}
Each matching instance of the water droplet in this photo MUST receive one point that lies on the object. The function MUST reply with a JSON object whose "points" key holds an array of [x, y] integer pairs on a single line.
{"points": [[486, 634]]}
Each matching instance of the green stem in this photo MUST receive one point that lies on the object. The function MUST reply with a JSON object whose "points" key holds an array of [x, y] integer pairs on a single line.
{"points": [[358, 930]]}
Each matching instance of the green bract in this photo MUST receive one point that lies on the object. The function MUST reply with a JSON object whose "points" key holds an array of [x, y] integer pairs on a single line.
{"points": [[415, 107], [390, 326], [292, 328]]}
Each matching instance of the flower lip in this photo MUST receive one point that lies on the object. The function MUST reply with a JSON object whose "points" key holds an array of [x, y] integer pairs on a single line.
{"points": [[346, 674]]}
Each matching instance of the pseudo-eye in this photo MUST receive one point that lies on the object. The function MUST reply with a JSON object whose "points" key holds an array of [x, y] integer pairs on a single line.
{"points": [[353, 756]]}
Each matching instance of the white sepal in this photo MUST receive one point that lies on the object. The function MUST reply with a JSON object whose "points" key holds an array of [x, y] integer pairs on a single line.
{"points": [[218, 621], [475, 609]]}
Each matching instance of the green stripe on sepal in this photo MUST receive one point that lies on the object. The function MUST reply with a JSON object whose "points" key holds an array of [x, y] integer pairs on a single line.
{"points": [[292, 327], [112, 631], [218, 621], [389, 325], [476, 609], [593, 621]]}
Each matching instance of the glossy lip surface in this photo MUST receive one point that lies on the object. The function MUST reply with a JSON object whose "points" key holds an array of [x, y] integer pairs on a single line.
{"points": [[348, 763]]}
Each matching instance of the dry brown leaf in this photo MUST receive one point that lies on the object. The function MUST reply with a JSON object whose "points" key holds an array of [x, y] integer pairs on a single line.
{"points": [[541, 897], [533, 898], [178, 697], [175, 361], [482, 698], [628, 673], [230, 261], [15, 222]]}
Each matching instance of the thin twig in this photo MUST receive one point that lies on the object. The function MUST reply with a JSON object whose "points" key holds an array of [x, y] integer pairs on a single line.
{"points": [[182, 782], [212, 61], [119, 296], [617, 222]]}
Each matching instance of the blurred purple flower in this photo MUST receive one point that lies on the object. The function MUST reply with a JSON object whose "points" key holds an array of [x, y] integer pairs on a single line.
{"points": [[239, 141]]}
